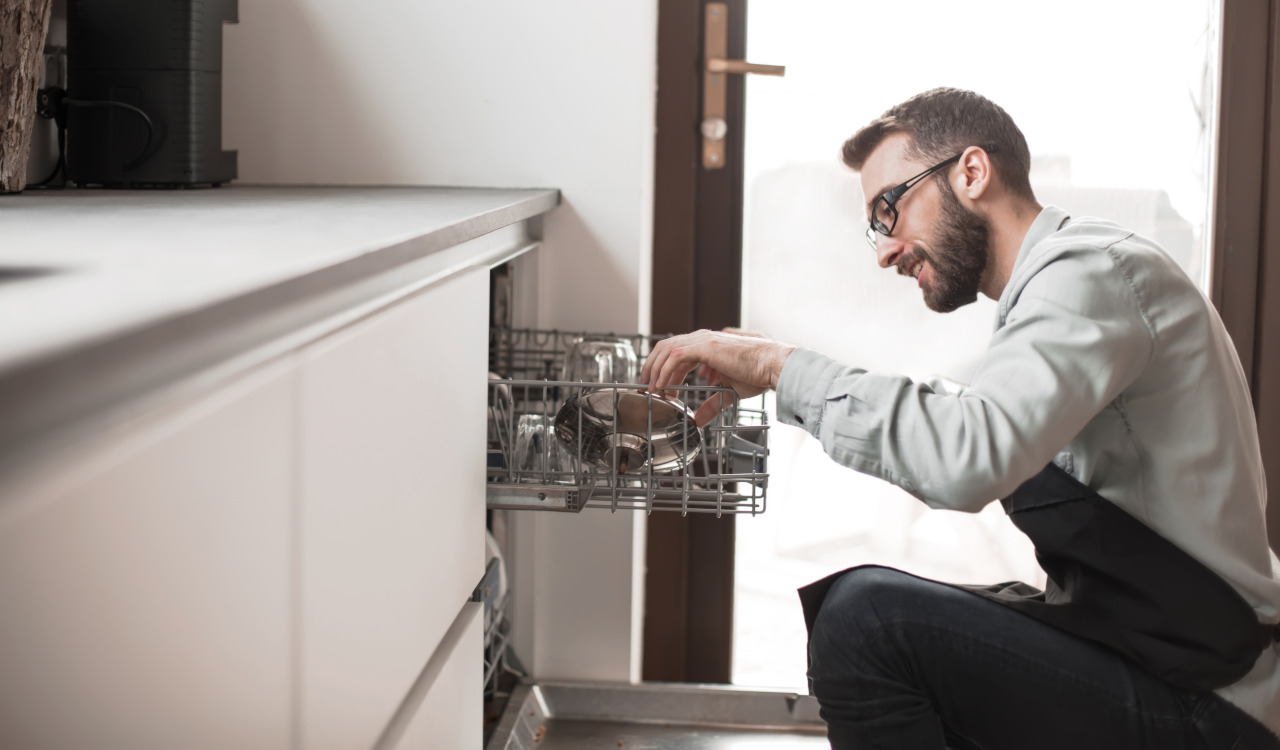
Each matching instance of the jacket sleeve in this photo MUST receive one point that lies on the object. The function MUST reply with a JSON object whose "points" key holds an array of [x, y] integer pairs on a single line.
{"points": [[1074, 338]]}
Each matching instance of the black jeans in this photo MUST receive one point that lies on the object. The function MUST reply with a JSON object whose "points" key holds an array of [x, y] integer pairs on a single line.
{"points": [[904, 663]]}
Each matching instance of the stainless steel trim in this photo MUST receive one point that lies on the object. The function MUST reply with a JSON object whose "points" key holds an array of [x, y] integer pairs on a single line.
{"points": [[535, 709]]}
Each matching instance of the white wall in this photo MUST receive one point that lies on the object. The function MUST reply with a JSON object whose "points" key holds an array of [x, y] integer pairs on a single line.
{"points": [[439, 92], [500, 93]]}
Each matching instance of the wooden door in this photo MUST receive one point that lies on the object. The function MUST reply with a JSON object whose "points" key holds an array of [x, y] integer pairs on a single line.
{"points": [[1245, 283], [697, 266]]}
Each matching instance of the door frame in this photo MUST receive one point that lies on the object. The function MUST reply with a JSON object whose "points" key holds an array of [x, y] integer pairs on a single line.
{"points": [[1245, 273], [697, 255]]}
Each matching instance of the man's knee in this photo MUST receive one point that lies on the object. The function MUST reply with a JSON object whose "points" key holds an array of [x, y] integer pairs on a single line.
{"points": [[873, 594], [858, 608]]}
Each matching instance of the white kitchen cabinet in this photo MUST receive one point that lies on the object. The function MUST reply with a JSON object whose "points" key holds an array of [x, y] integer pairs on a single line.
{"points": [[242, 467], [391, 516], [145, 582], [451, 714]]}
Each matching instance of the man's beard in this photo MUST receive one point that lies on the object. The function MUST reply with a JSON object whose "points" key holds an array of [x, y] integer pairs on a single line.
{"points": [[961, 241]]}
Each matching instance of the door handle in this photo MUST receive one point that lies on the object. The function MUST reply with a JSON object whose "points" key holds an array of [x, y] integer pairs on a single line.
{"points": [[715, 46], [718, 65]]}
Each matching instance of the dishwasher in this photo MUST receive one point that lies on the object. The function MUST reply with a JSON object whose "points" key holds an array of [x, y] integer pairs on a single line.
{"points": [[560, 443]]}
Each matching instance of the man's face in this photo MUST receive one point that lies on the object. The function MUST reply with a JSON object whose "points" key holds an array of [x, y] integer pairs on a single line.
{"points": [[936, 239]]}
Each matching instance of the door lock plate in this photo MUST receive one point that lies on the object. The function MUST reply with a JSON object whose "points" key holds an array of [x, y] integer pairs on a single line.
{"points": [[715, 69]]}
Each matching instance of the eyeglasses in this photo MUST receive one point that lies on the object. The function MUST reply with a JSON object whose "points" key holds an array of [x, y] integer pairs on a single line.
{"points": [[884, 213]]}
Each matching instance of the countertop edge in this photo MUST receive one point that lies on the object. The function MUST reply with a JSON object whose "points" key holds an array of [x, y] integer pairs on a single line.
{"points": [[44, 394]]}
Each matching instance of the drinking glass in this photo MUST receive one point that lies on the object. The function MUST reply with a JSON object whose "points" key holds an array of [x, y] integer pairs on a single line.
{"points": [[600, 361], [539, 456], [501, 409]]}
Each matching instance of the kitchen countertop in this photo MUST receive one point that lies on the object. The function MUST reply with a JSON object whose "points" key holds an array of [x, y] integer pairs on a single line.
{"points": [[97, 281]]}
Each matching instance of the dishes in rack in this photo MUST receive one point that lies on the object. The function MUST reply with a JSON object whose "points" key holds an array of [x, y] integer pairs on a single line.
{"points": [[628, 431]]}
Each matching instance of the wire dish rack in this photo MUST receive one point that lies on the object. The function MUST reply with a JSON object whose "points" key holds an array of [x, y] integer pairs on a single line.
{"points": [[544, 456], [497, 634]]}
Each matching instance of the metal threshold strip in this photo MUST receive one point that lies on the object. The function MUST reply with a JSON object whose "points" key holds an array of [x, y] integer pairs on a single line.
{"points": [[656, 716]]}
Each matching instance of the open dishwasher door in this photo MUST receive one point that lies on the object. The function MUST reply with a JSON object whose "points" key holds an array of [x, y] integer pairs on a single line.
{"points": [[656, 716], [563, 437]]}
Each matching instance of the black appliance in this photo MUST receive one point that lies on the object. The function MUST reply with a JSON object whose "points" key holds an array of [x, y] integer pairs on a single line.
{"points": [[146, 80]]}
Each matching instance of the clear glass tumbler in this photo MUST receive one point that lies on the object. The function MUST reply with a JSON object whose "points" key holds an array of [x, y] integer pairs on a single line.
{"points": [[601, 361], [539, 457]]}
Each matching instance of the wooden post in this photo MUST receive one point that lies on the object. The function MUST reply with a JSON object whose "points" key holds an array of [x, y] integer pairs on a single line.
{"points": [[23, 26]]}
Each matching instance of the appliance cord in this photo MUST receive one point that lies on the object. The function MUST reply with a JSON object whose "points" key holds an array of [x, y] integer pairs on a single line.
{"points": [[52, 104], [127, 166]]}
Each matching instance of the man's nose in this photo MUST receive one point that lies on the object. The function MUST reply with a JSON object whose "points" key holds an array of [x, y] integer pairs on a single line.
{"points": [[888, 251]]}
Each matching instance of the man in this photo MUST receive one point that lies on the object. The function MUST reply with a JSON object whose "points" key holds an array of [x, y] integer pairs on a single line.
{"points": [[1109, 415]]}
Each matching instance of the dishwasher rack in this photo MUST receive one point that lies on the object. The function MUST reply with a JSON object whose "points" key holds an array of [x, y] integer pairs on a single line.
{"points": [[728, 475]]}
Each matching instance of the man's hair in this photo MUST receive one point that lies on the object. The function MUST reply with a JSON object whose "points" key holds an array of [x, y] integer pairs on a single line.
{"points": [[944, 122]]}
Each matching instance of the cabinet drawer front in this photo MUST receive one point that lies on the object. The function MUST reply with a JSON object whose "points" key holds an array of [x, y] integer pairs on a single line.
{"points": [[452, 712], [146, 605], [392, 503]]}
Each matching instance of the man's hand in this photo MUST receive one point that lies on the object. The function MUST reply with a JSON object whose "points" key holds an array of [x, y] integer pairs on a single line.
{"points": [[746, 362]]}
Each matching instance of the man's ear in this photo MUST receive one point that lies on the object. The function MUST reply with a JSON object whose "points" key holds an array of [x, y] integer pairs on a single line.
{"points": [[974, 177]]}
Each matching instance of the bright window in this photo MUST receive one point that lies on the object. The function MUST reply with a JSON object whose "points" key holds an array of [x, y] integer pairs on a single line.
{"points": [[1117, 101]]}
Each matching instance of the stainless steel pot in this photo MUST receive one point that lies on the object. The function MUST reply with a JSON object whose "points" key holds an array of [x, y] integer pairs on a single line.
{"points": [[628, 431]]}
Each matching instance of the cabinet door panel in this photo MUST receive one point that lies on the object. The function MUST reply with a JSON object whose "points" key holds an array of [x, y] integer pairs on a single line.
{"points": [[146, 602], [392, 514], [452, 713]]}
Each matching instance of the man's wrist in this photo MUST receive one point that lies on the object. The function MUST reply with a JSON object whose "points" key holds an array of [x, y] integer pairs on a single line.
{"points": [[779, 360]]}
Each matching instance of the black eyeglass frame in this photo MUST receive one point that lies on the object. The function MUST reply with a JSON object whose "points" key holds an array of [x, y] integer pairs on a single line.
{"points": [[891, 197]]}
